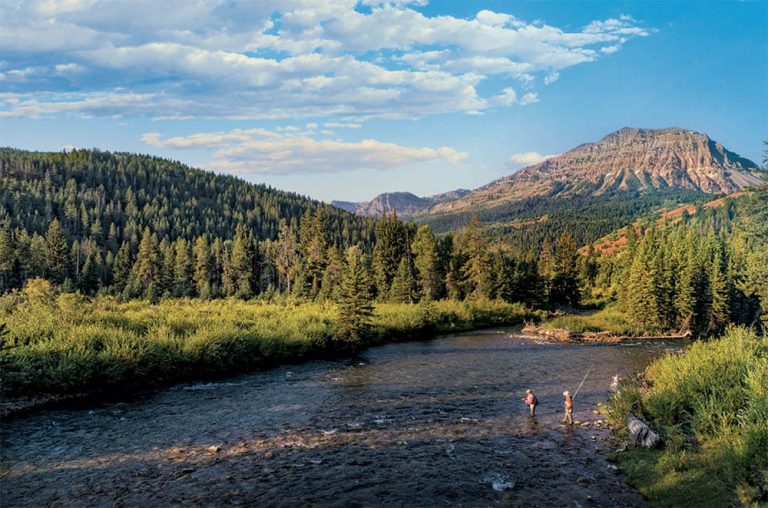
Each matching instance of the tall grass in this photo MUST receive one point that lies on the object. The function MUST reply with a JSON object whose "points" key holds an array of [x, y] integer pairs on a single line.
{"points": [[69, 344], [711, 406], [609, 319]]}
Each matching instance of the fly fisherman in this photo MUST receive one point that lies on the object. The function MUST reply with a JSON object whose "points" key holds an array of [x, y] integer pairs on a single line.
{"points": [[568, 408], [531, 400], [568, 418]]}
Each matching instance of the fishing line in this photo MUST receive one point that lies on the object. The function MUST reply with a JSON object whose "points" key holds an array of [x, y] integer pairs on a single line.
{"points": [[582, 381]]}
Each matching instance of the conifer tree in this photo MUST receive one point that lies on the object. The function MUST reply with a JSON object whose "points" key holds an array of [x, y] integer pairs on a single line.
{"points": [[287, 256], [255, 260], [218, 254], [240, 266], [427, 263], [88, 279], [473, 244], [389, 248], [355, 305], [148, 266], [203, 268], [168, 257], [404, 284], [314, 244], [718, 291], [564, 285], [504, 278], [643, 300], [589, 266], [56, 253], [8, 261], [183, 284], [454, 286], [121, 268], [333, 276]]}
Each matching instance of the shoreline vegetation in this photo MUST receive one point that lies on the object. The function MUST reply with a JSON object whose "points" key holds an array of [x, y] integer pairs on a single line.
{"points": [[710, 406], [608, 325], [69, 344]]}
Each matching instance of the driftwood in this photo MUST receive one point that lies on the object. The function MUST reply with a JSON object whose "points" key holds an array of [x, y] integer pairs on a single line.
{"points": [[640, 433], [565, 335]]}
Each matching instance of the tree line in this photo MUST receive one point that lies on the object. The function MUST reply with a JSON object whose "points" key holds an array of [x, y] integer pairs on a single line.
{"points": [[406, 263], [699, 273]]}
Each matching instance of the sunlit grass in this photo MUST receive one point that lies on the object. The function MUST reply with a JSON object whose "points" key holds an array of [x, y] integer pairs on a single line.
{"points": [[711, 407], [609, 319], [70, 344]]}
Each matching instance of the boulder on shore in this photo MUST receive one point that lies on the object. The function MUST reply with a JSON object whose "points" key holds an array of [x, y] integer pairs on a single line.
{"points": [[640, 433]]}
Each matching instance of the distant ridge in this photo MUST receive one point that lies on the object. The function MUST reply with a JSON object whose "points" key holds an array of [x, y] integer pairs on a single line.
{"points": [[405, 204], [627, 161]]}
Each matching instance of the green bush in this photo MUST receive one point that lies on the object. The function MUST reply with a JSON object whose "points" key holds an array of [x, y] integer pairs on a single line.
{"points": [[710, 405]]}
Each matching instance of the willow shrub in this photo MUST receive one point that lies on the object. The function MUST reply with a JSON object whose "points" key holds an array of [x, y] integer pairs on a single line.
{"points": [[710, 404], [69, 344]]}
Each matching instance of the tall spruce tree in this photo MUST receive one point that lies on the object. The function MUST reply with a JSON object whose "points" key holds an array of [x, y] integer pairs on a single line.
{"points": [[474, 244], [389, 248], [148, 268], [203, 269], [564, 285], [183, 284], [427, 263], [404, 284], [121, 267], [56, 253], [355, 303]]}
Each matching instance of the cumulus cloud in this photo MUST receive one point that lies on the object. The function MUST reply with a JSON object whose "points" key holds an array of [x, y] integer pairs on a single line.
{"points": [[281, 58], [261, 151], [522, 159]]}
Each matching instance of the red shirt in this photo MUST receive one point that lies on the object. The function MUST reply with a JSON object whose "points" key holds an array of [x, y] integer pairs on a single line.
{"points": [[530, 399]]}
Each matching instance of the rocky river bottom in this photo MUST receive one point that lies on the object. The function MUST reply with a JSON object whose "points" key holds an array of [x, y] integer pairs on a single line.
{"points": [[433, 423]]}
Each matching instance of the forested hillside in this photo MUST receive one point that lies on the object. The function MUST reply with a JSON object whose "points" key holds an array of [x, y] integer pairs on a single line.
{"points": [[695, 272], [79, 216], [533, 221]]}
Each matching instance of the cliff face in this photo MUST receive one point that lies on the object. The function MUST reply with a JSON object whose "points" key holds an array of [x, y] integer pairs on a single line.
{"points": [[628, 159]]}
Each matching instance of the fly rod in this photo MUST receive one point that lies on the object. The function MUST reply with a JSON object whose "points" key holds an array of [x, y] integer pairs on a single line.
{"points": [[582, 381]]}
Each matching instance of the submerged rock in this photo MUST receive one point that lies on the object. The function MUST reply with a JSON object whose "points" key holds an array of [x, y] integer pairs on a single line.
{"points": [[499, 482]]}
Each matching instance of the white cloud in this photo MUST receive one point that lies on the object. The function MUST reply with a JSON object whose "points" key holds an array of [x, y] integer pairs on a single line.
{"points": [[342, 125], [526, 159], [260, 151], [551, 77], [281, 58], [529, 98]]}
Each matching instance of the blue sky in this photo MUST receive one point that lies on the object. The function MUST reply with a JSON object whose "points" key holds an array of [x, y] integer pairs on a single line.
{"points": [[346, 99]]}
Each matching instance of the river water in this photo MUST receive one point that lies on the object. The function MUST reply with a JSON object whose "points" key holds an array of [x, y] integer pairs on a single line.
{"points": [[414, 424]]}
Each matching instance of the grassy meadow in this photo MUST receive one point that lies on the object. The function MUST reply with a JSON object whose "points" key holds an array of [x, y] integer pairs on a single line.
{"points": [[710, 405], [69, 344], [609, 319]]}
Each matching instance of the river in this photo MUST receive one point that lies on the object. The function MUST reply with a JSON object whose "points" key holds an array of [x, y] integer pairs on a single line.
{"points": [[428, 423]]}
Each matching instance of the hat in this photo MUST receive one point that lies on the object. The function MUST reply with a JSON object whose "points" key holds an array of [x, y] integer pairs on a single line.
{"points": [[566, 393]]}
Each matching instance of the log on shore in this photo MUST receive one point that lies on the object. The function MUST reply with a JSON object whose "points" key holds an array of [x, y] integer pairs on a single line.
{"points": [[565, 335], [640, 433]]}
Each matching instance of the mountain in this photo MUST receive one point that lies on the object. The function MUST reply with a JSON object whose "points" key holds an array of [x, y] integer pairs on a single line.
{"points": [[599, 187], [628, 160], [406, 204]]}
